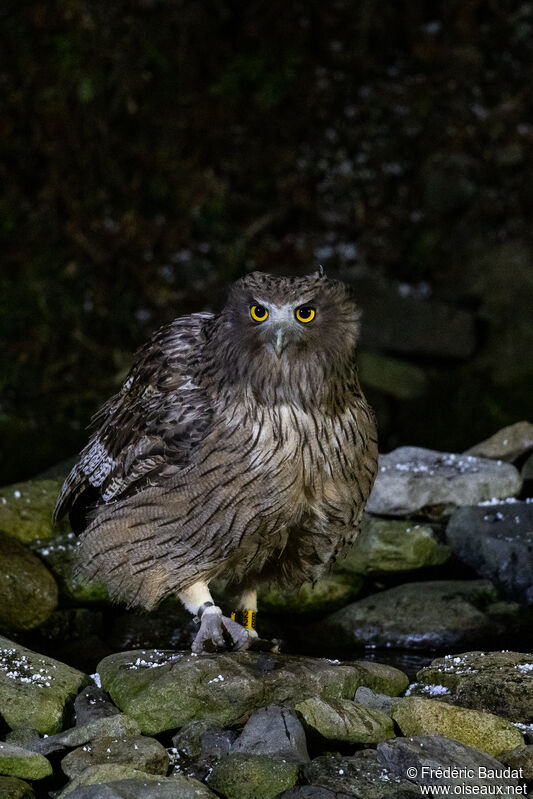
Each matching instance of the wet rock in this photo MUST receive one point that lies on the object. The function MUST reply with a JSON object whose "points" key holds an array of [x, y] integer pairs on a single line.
{"points": [[26, 509], [240, 776], [391, 376], [386, 545], [497, 541], [143, 785], [165, 690], [359, 776], [120, 726], [521, 757], [484, 731], [507, 444], [426, 615], [188, 740], [326, 594], [498, 682], [176, 787], [58, 551], [344, 720], [29, 592], [382, 702], [430, 752], [36, 691], [92, 704], [312, 792], [145, 754], [18, 762], [218, 743], [417, 480], [274, 731], [13, 788]]}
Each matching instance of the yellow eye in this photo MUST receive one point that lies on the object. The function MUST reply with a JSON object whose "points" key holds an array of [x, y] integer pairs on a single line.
{"points": [[305, 314], [258, 313]]}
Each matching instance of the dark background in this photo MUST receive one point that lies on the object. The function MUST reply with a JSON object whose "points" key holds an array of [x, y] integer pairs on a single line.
{"points": [[153, 151]]}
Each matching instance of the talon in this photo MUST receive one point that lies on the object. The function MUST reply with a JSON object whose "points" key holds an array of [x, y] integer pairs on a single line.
{"points": [[218, 633]]}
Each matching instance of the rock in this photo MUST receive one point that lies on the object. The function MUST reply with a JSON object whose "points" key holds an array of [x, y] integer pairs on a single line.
{"points": [[241, 776], [273, 731], [165, 690], [145, 754], [312, 792], [368, 697], [92, 704], [120, 726], [425, 753], [218, 743], [18, 762], [498, 682], [22, 736], [184, 787], [58, 551], [382, 678], [427, 615], [527, 469], [521, 757], [188, 740], [386, 545], [13, 788], [26, 509], [358, 776], [198, 746], [35, 691], [176, 787], [496, 540], [344, 720], [326, 594], [417, 480], [507, 444], [478, 729], [391, 376], [29, 592]]}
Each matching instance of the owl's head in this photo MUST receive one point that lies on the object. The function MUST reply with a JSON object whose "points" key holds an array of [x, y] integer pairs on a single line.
{"points": [[290, 329]]}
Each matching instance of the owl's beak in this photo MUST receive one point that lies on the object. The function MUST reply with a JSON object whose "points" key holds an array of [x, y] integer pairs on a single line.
{"points": [[281, 342]]}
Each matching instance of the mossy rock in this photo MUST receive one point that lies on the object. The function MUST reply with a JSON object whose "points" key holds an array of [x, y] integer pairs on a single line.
{"points": [[59, 553], [28, 592], [18, 762], [26, 509], [243, 776], [13, 788], [327, 594], [344, 720], [184, 787]]}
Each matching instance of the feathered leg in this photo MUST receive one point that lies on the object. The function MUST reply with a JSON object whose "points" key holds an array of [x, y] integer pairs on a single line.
{"points": [[217, 632]]}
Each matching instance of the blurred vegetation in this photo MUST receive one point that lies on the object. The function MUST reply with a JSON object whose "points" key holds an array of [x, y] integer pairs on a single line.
{"points": [[151, 151]]}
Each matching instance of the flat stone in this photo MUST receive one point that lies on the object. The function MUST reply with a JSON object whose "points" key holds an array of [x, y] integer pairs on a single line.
{"points": [[391, 545], [426, 753], [507, 444], [359, 776], [325, 595], [13, 788], [344, 720], [423, 481], [165, 690], [366, 696], [521, 757], [58, 551], [26, 509], [422, 615], [497, 541], [92, 704], [35, 690], [177, 787], [18, 762], [145, 754], [29, 592], [109, 776], [274, 731], [498, 682], [120, 726], [484, 731], [241, 776]]}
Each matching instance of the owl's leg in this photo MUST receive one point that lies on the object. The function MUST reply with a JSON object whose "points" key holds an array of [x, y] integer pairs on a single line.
{"points": [[217, 632]]}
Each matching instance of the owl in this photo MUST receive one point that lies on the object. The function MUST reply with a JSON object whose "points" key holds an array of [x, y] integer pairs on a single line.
{"points": [[240, 446]]}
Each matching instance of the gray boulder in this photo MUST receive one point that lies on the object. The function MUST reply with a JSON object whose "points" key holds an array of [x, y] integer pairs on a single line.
{"points": [[35, 691], [366, 696], [178, 787], [426, 753], [499, 682], [18, 762], [521, 757], [423, 481], [165, 690], [92, 704], [114, 726], [507, 444], [28, 590], [425, 615], [360, 776], [274, 731], [145, 754], [344, 720], [497, 541]]}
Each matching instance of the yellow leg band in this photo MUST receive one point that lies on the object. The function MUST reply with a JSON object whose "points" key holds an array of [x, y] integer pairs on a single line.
{"points": [[246, 618]]}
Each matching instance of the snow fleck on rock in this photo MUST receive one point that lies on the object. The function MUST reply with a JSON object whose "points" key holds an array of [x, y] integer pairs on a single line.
{"points": [[96, 679]]}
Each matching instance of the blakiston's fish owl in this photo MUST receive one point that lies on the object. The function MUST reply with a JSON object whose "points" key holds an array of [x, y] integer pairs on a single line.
{"points": [[240, 445]]}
